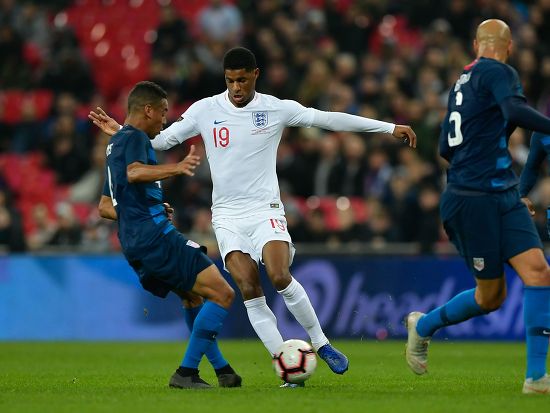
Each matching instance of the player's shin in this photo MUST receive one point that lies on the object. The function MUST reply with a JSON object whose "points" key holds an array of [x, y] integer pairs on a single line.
{"points": [[460, 308], [207, 325], [264, 323], [297, 302], [536, 313], [213, 354]]}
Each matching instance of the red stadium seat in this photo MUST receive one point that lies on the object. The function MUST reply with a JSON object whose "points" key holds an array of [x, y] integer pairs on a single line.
{"points": [[328, 206], [82, 211], [43, 100], [359, 209], [12, 104], [302, 204], [32, 55]]}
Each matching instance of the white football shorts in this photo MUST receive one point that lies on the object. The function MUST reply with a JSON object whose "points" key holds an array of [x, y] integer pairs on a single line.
{"points": [[250, 234]]}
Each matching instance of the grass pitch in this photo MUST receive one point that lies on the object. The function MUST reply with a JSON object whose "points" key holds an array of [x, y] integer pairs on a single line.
{"points": [[132, 377]]}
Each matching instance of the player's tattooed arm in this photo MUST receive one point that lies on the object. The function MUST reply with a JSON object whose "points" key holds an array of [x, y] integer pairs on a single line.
{"points": [[106, 208], [103, 121]]}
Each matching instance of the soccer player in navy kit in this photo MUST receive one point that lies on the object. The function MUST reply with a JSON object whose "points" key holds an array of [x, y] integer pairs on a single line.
{"points": [[163, 258], [539, 150], [481, 209]]}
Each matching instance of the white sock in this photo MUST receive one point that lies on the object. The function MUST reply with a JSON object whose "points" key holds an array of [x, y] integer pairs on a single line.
{"points": [[264, 323], [298, 303]]}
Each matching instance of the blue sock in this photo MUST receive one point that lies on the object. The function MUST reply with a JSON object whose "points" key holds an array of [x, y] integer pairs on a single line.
{"points": [[189, 314], [460, 308], [213, 354], [536, 316], [206, 327]]}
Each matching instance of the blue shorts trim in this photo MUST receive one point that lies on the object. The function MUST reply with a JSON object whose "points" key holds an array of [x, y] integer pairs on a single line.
{"points": [[488, 228]]}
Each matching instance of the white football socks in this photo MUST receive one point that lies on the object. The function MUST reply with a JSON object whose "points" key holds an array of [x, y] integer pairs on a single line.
{"points": [[264, 323], [298, 304]]}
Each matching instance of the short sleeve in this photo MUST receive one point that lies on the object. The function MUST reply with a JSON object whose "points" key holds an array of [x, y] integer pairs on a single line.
{"points": [[503, 82], [297, 115], [136, 148]]}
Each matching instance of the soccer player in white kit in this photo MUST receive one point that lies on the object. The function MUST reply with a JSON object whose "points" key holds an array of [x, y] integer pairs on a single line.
{"points": [[241, 130]]}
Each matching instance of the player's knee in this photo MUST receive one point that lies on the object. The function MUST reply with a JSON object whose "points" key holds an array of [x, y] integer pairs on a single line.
{"points": [[491, 301], [225, 297], [250, 289], [228, 296], [539, 275], [191, 300], [280, 278]]}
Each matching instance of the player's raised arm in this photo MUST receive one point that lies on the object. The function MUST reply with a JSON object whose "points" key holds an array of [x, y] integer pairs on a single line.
{"points": [[344, 122], [175, 134], [179, 131], [103, 121], [338, 121], [406, 133], [138, 172]]}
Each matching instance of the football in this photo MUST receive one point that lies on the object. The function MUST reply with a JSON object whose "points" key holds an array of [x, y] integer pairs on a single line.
{"points": [[295, 361]]}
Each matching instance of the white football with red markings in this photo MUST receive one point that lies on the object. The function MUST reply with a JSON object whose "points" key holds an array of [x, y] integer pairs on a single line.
{"points": [[294, 361]]}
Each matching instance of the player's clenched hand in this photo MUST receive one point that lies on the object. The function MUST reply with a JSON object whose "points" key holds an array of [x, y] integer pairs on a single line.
{"points": [[529, 205], [104, 121], [169, 210], [405, 133], [189, 163]]}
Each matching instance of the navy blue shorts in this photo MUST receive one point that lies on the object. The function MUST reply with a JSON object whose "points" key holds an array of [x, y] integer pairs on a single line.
{"points": [[488, 228], [172, 264]]}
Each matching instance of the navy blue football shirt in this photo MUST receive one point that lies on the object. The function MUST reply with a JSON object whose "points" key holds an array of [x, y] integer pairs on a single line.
{"points": [[142, 219], [474, 135]]}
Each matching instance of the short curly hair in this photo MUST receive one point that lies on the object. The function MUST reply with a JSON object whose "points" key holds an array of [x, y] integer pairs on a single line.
{"points": [[145, 93], [239, 58]]}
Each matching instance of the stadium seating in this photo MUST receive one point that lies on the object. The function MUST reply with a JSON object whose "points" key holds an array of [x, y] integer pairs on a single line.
{"points": [[13, 101], [115, 37]]}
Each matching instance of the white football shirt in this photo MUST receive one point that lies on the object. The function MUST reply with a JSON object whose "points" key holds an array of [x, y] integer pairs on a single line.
{"points": [[241, 146]]}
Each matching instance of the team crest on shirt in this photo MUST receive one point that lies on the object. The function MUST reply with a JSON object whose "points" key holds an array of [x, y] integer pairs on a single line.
{"points": [[479, 263], [259, 119]]}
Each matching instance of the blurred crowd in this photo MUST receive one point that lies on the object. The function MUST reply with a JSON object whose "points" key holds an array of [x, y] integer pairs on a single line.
{"points": [[383, 59]]}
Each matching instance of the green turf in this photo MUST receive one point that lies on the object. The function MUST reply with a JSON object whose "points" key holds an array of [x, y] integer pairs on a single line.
{"points": [[132, 377]]}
